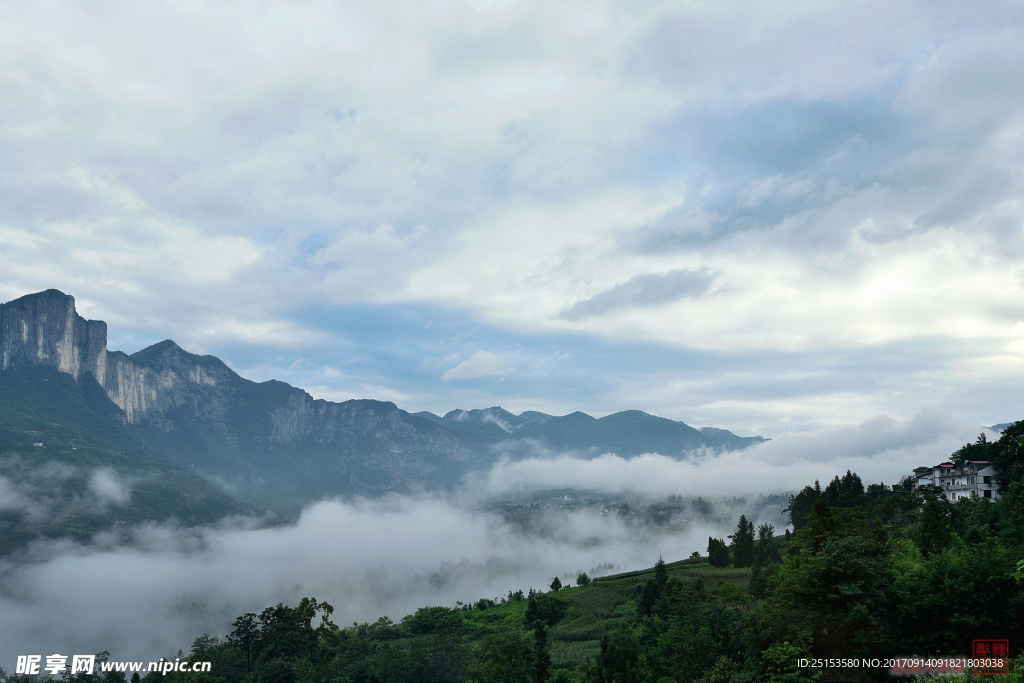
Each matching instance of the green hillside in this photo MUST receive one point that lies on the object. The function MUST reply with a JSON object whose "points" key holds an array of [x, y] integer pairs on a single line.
{"points": [[55, 435]]}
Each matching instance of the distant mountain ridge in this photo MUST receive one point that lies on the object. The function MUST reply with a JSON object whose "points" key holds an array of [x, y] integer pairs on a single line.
{"points": [[273, 444], [626, 433]]}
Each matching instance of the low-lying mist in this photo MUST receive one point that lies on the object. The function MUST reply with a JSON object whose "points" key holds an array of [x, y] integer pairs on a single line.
{"points": [[368, 558], [879, 449], [146, 595]]}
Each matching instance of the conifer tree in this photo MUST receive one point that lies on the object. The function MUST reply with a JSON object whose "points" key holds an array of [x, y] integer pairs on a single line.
{"points": [[743, 543]]}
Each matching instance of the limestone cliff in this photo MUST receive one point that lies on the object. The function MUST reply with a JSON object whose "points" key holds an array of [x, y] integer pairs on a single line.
{"points": [[44, 329]]}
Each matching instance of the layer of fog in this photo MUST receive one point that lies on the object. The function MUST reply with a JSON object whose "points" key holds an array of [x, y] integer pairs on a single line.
{"points": [[367, 558], [881, 449], [148, 597], [40, 493]]}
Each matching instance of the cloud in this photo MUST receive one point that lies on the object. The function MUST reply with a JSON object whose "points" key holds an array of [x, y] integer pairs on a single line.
{"points": [[879, 449], [367, 558], [44, 494], [108, 487], [480, 364], [10, 497], [643, 290], [849, 174]]}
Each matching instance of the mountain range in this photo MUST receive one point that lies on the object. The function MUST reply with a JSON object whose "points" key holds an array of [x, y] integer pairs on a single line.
{"points": [[164, 415]]}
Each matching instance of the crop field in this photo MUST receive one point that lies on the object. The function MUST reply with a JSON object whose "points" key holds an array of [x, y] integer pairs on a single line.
{"points": [[607, 603]]}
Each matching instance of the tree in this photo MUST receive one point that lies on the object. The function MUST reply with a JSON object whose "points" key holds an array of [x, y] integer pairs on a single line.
{"points": [[652, 589], [731, 592], [556, 584], [660, 573], [933, 534], [205, 648], [1007, 455], [582, 579], [701, 507], [801, 504], [542, 654], [245, 637], [288, 632], [619, 657], [508, 657], [743, 543], [722, 672], [546, 608], [767, 551], [759, 576], [821, 526], [845, 492], [432, 620], [981, 449], [780, 664], [718, 552]]}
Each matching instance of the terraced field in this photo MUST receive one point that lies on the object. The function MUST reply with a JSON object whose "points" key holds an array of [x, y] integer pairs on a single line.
{"points": [[608, 602]]}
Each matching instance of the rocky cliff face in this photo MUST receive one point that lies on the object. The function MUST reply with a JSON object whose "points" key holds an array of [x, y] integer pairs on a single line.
{"points": [[44, 329]]}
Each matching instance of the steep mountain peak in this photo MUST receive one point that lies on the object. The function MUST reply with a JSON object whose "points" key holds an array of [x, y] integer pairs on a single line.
{"points": [[45, 294], [167, 354], [153, 349], [44, 329]]}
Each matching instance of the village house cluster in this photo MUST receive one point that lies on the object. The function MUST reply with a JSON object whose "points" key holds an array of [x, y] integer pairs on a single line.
{"points": [[974, 478]]}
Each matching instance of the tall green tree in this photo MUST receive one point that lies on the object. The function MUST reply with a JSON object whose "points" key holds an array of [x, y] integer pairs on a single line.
{"points": [[801, 505], [542, 654], [718, 552], [767, 552], [619, 658], [246, 637], [821, 526], [743, 543], [933, 533], [660, 572], [1007, 455]]}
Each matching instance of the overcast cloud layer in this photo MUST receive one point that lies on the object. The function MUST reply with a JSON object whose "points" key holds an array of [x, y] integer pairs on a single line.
{"points": [[764, 216]]}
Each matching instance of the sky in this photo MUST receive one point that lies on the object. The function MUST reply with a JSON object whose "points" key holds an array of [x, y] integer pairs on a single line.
{"points": [[771, 217]]}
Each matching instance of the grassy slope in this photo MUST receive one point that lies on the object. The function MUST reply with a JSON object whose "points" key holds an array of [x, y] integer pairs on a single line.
{"points": [[595, 609]]}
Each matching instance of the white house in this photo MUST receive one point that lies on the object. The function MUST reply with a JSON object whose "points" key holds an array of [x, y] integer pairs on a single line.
{"points": [[972, 479]]}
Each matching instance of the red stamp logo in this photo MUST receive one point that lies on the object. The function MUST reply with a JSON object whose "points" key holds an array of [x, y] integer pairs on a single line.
{"points": [[991, 656]]}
